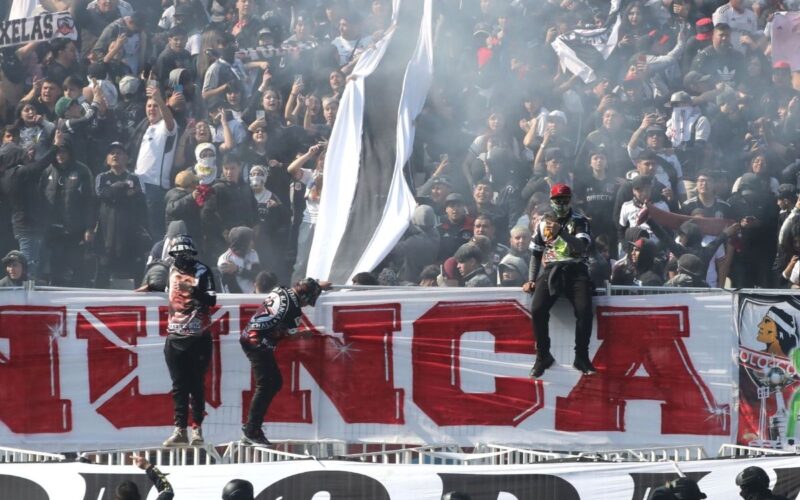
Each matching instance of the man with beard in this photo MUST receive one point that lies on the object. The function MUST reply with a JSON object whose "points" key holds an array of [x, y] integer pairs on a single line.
{"points": [[278, 318], [188, 346], [560, 243]]}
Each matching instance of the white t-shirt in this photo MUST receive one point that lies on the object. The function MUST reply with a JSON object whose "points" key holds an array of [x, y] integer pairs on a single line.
{"points": [[309, 178], [156, 153], [741, 23], [348, 49], [630, 212], [247, 262], [711, 277]]}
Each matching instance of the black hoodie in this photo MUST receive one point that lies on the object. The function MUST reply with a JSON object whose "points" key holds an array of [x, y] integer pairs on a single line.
{"points": [[19, 183]]}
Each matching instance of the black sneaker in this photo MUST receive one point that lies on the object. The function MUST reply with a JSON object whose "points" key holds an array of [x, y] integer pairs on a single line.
{"points": [[544, 360], [584, 365], [254, 437]]}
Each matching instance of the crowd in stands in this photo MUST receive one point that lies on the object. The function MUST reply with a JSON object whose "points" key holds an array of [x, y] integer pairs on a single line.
{"points": [[211, 118]]}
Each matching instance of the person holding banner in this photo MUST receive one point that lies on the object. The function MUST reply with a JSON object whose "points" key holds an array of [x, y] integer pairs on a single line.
{"points": [[560, 243], [278, 317]]}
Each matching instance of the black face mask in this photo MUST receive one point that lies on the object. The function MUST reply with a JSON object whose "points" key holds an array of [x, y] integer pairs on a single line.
{"points": [[514, 282], [185, 262]]}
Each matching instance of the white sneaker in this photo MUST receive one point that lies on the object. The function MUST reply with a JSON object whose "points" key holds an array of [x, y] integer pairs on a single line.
{"points": [[197, 437], [178, 438]]}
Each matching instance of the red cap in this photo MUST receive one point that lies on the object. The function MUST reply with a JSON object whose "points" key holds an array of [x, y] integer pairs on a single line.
{"points": [[704, 28], [559, 190], [782, 65]]}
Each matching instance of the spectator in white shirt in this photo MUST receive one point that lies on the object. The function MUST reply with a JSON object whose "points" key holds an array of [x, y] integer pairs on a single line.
{"points": [[743, 23], [154, 161]]}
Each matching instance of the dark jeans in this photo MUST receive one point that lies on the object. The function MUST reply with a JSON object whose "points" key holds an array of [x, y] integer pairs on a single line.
{"points": [[187, 360], [156, 207], [268, 382], [578, 290], [64, 258]]}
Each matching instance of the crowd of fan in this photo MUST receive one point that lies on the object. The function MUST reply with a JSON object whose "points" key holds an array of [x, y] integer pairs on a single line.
{"points": [[211, 118]]}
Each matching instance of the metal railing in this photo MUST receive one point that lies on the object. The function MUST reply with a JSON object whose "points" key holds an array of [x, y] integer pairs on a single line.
{"points": [[739, 451], [398, 454], [15, 455], [187, 455]]}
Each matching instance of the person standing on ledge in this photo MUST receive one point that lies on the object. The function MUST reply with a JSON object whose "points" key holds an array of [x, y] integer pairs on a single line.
{"points": [[278, 318], [560, 242]]}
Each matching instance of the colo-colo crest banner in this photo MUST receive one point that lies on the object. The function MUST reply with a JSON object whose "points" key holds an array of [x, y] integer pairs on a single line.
{"points": [[769, 357], [85, 369]]}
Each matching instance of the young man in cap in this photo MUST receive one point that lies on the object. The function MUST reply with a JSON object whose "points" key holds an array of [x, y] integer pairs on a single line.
{"points": [[277, 318], [560, 243], [642, 187], [121, 216], [469, 260], [457, 228], [16, 267]]}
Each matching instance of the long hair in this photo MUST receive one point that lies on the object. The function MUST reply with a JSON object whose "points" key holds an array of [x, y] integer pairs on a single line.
{"points": [[209, 40]]}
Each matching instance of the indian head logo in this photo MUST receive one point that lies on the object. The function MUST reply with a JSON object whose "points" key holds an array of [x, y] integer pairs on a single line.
{"points": [[778, 331], [65, 26]]}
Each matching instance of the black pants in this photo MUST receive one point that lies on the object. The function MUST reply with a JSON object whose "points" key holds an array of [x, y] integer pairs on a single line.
{"points": [[577, 288], [65, 254], [187, 360], [268, 382]]}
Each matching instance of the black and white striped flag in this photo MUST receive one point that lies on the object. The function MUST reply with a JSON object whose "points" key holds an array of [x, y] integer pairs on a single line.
{"points": [[583, 51], [366, 203]]}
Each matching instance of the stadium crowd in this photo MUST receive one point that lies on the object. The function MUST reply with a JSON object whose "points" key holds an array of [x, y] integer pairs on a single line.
{"points": [[211, 118]]}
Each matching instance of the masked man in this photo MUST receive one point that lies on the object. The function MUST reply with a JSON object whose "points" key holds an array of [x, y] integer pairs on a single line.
{"points": [[560, 242], [278, 318], [188, 346]]}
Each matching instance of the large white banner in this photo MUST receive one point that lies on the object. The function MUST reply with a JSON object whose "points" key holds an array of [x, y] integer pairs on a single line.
{"points": [[309, 479], [85, 370]]}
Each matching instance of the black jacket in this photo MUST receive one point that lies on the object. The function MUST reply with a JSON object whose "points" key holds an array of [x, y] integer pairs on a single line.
{"points": [[121, 216], [69, 196], [180, 205], [19, 183]]}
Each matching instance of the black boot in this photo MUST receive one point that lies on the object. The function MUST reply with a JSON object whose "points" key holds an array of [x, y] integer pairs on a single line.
{"points": [[584, 365], [544, 360], [254, 436]]}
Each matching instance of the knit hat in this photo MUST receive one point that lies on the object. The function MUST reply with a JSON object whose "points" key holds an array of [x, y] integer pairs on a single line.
{"points": [[129, 85], [63, 104], [468, 251]]}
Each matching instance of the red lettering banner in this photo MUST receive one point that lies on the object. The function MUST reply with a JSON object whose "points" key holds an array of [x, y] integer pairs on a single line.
{"points": [[85, 369]]}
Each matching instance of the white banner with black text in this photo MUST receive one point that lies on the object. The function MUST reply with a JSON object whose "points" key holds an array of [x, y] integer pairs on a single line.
{"points": [[309, 479]]}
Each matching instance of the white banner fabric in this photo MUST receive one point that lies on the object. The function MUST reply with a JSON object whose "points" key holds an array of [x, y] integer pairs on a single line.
{"points": [[85, 370], [354, 481]]}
